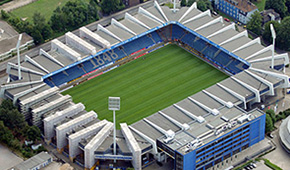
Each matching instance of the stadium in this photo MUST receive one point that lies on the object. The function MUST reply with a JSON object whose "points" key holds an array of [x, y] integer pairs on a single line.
{"points": [[207, 129]]}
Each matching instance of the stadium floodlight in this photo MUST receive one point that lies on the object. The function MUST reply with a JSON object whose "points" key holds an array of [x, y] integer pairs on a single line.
{"points": [[114, 104], [18, 55], [174, 6], [274, 37]]}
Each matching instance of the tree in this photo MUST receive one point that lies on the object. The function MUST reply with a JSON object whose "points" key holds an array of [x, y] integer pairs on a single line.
{"points": [[41, 149], [73, 14], [14, 119], [111, 6], [6, 135], [183, 3], [269, 124], [33, 133], [283, 34], [288, 7], [15, 144], [204, 5], [38, 39], [11, 116], [93, 11], [267, 32], [255, 23], [46, 32], [278, 5], [58, 20], [190, 2], [4, 15], [272, 115], [38, 21], [7, 105]]}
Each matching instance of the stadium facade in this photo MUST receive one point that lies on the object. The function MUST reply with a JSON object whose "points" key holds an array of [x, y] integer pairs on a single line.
{"points": [[207, 130]]}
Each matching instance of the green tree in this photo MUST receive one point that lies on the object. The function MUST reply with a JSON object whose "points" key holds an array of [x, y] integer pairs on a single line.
{"points": [[4, 15], [111, 6], [93, 11], [183, 3], [15, 144], [269, 124], [278, 5], [41, 149], [190, 2], [283, 34], [33, 133], [58, 20], [14, 119], [46, 32], [255, 23], [73, 15], [38, 39], [288, 7], [38, 21], [7, 105], [267, 32], [204, 5], [11, 116], [6, 135], [272, 114]]}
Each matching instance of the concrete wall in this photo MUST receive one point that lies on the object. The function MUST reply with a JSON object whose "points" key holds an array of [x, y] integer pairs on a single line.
{"points": [[78, 43], [50, 121], [75, 138], [61, 130], [64, 50], [95, 143]]}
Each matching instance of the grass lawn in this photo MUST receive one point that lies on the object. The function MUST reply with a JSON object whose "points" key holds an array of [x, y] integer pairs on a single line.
{"points": [[45, 7], [260, 4], [148, 85]]}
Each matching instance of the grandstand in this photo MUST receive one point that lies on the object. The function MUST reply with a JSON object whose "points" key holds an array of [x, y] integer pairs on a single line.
{"points": [[207, 130]]}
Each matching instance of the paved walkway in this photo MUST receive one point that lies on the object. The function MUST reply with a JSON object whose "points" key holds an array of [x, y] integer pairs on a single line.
{"points": [[15, 4], [279, 156], [7, 158]]}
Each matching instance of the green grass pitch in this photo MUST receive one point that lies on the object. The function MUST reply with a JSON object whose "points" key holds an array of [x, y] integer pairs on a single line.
{"points": [[148, 85]]}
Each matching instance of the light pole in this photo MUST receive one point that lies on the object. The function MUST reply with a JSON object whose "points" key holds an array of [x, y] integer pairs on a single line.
{"points": [[114, 104], [273, 49], [18, 56]]}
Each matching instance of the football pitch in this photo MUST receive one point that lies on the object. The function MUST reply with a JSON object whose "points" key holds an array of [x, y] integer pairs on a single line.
{"points": [[147, 85]]}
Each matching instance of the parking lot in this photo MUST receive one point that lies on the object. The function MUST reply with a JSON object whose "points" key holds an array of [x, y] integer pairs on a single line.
{"points": [[7, 158]]}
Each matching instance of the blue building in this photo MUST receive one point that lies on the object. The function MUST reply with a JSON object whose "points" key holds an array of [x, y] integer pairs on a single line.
{"points": [[216, 143], [240, 10]]}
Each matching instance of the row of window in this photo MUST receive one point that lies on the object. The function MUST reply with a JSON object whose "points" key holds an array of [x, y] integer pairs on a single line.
{"points": [[227, 147], [221, 140], [217, 161], [179, 161]]}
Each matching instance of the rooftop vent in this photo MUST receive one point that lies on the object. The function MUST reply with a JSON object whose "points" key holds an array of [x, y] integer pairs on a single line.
{"points": [[224, 119], [169, 136]]}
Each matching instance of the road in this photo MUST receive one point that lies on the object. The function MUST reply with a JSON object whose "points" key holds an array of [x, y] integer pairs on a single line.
{"points": [[93, 26], [7, 158]]}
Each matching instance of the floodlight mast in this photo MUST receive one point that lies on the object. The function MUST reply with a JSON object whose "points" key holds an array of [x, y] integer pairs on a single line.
{"points": [[174, 6], [114, 104], [273, 48], [18, 56]]}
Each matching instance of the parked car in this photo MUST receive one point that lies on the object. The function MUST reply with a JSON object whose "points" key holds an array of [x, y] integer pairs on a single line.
{"points": [[254, 165], [271, 135], [214, 13], [226, 19]]}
